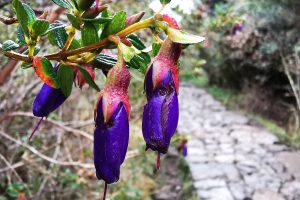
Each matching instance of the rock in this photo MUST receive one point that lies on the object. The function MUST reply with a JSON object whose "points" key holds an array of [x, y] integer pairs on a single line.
{"points": [[206, 171], [263, 137], [256, 181], [210, 183], [230, 171], [237, 190], [291, 190], [276, 148], [233, 118], [196, 159], [291, 161], [215, 194], [227, 158], [267, 195], [194, 151]]}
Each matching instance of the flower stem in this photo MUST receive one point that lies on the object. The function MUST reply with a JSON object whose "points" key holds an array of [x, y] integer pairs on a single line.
{"points": [[69, 40], [35, 129], [104, 193], [158, 161]]}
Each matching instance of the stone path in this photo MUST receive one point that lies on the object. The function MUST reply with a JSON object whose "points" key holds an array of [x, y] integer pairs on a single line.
{"points": [[229, 158]]}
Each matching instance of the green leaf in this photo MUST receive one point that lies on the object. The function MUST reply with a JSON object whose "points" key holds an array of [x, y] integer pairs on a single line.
{"points": [[155, 48], [140, 62], [26, 65], [47, 71], [63, 3], [20, 36], [40, 27], [98, 20], [136, 42], [74, 21], [14, 189], [87, 77], [104, 62], [30, 14], [183, 37], [9, 45], [36, 51], [116, 25], [58, 37], [21, 15], [165, 1], [75, 44], [65, 78], [56, 25], [145, 56], [89, 34], [74, 2], [128, 52]]}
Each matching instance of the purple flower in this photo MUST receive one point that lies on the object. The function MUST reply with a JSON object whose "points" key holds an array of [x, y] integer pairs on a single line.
{"points": [[47, 100], [110, 143], [184, 150], [161, 113], [111, 134], [237, 28]]}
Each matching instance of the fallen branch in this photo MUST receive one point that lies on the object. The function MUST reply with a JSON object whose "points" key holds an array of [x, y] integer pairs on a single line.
{"points": [[131, 154], [44, 157], [8, 20], [58, 124]]}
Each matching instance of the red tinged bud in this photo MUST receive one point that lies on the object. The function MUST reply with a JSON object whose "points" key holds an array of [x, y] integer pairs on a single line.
{"points": [[85, 4], [94, 11], [79, 78], [134, 18]]}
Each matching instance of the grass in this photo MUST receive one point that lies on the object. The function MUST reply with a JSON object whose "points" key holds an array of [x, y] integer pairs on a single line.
{"points": [[291, 139]]}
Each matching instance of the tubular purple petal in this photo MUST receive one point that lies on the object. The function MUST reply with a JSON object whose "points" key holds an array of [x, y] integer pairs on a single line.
{"points": [[110, 143], [47, 100], [160, 117]]}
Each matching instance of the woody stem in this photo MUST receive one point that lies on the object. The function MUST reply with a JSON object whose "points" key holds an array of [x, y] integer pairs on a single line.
{"points": [[63, 55]]}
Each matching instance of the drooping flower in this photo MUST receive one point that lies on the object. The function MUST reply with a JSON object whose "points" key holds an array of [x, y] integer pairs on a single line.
{"points": [[111, 134], [47, 100], [182, 147], [161, 113], [238, 27]]}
